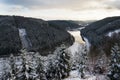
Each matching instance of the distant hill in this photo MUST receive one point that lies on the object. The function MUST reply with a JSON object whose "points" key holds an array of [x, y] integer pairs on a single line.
{"points": [[64, 24], [42, 36], [69, 24], [83, 23]]}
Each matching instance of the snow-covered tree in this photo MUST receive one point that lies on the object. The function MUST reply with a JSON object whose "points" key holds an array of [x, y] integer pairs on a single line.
{"points": [[13, 67], [40, 69], [24, 71], [5, 71], [114, 71], [58, 67], [79, 60], [31, 67], [82, 63]]}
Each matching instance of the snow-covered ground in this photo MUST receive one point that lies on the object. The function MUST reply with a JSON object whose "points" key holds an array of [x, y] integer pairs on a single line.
{"points": [[75, 48], [74, 75]]}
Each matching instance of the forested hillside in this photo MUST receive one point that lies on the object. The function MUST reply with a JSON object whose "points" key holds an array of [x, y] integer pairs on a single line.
{"points": [[42, 36]]}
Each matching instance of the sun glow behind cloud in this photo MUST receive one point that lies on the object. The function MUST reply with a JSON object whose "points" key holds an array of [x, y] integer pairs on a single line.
{"points": [[61, 9]]}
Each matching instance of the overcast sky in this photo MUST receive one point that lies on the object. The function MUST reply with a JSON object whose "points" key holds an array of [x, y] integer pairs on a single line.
{"points": [[61, 9]]}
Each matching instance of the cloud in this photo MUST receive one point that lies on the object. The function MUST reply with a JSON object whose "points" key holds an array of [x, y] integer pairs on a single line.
{"points": [[61, 9], [64, 4], [114, 3], [22, 2], [12, 9]]}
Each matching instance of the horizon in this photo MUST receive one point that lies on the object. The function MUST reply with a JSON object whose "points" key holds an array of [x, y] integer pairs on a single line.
{"points": [[61, 9]]}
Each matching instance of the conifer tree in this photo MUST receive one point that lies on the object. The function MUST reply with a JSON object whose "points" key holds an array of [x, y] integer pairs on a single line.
{"points": [[81, 59], [13, 67], [58, 67], [114, 71], [40, 69], [5, 72], [24, 73]]}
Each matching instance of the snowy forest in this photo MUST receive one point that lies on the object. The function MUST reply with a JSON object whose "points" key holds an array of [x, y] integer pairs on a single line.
{"points": [[61, 65], [51, 53]]}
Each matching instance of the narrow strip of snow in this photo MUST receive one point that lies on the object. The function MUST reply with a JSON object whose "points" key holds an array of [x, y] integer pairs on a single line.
{"points": [[111, 33], [24, 39]]}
